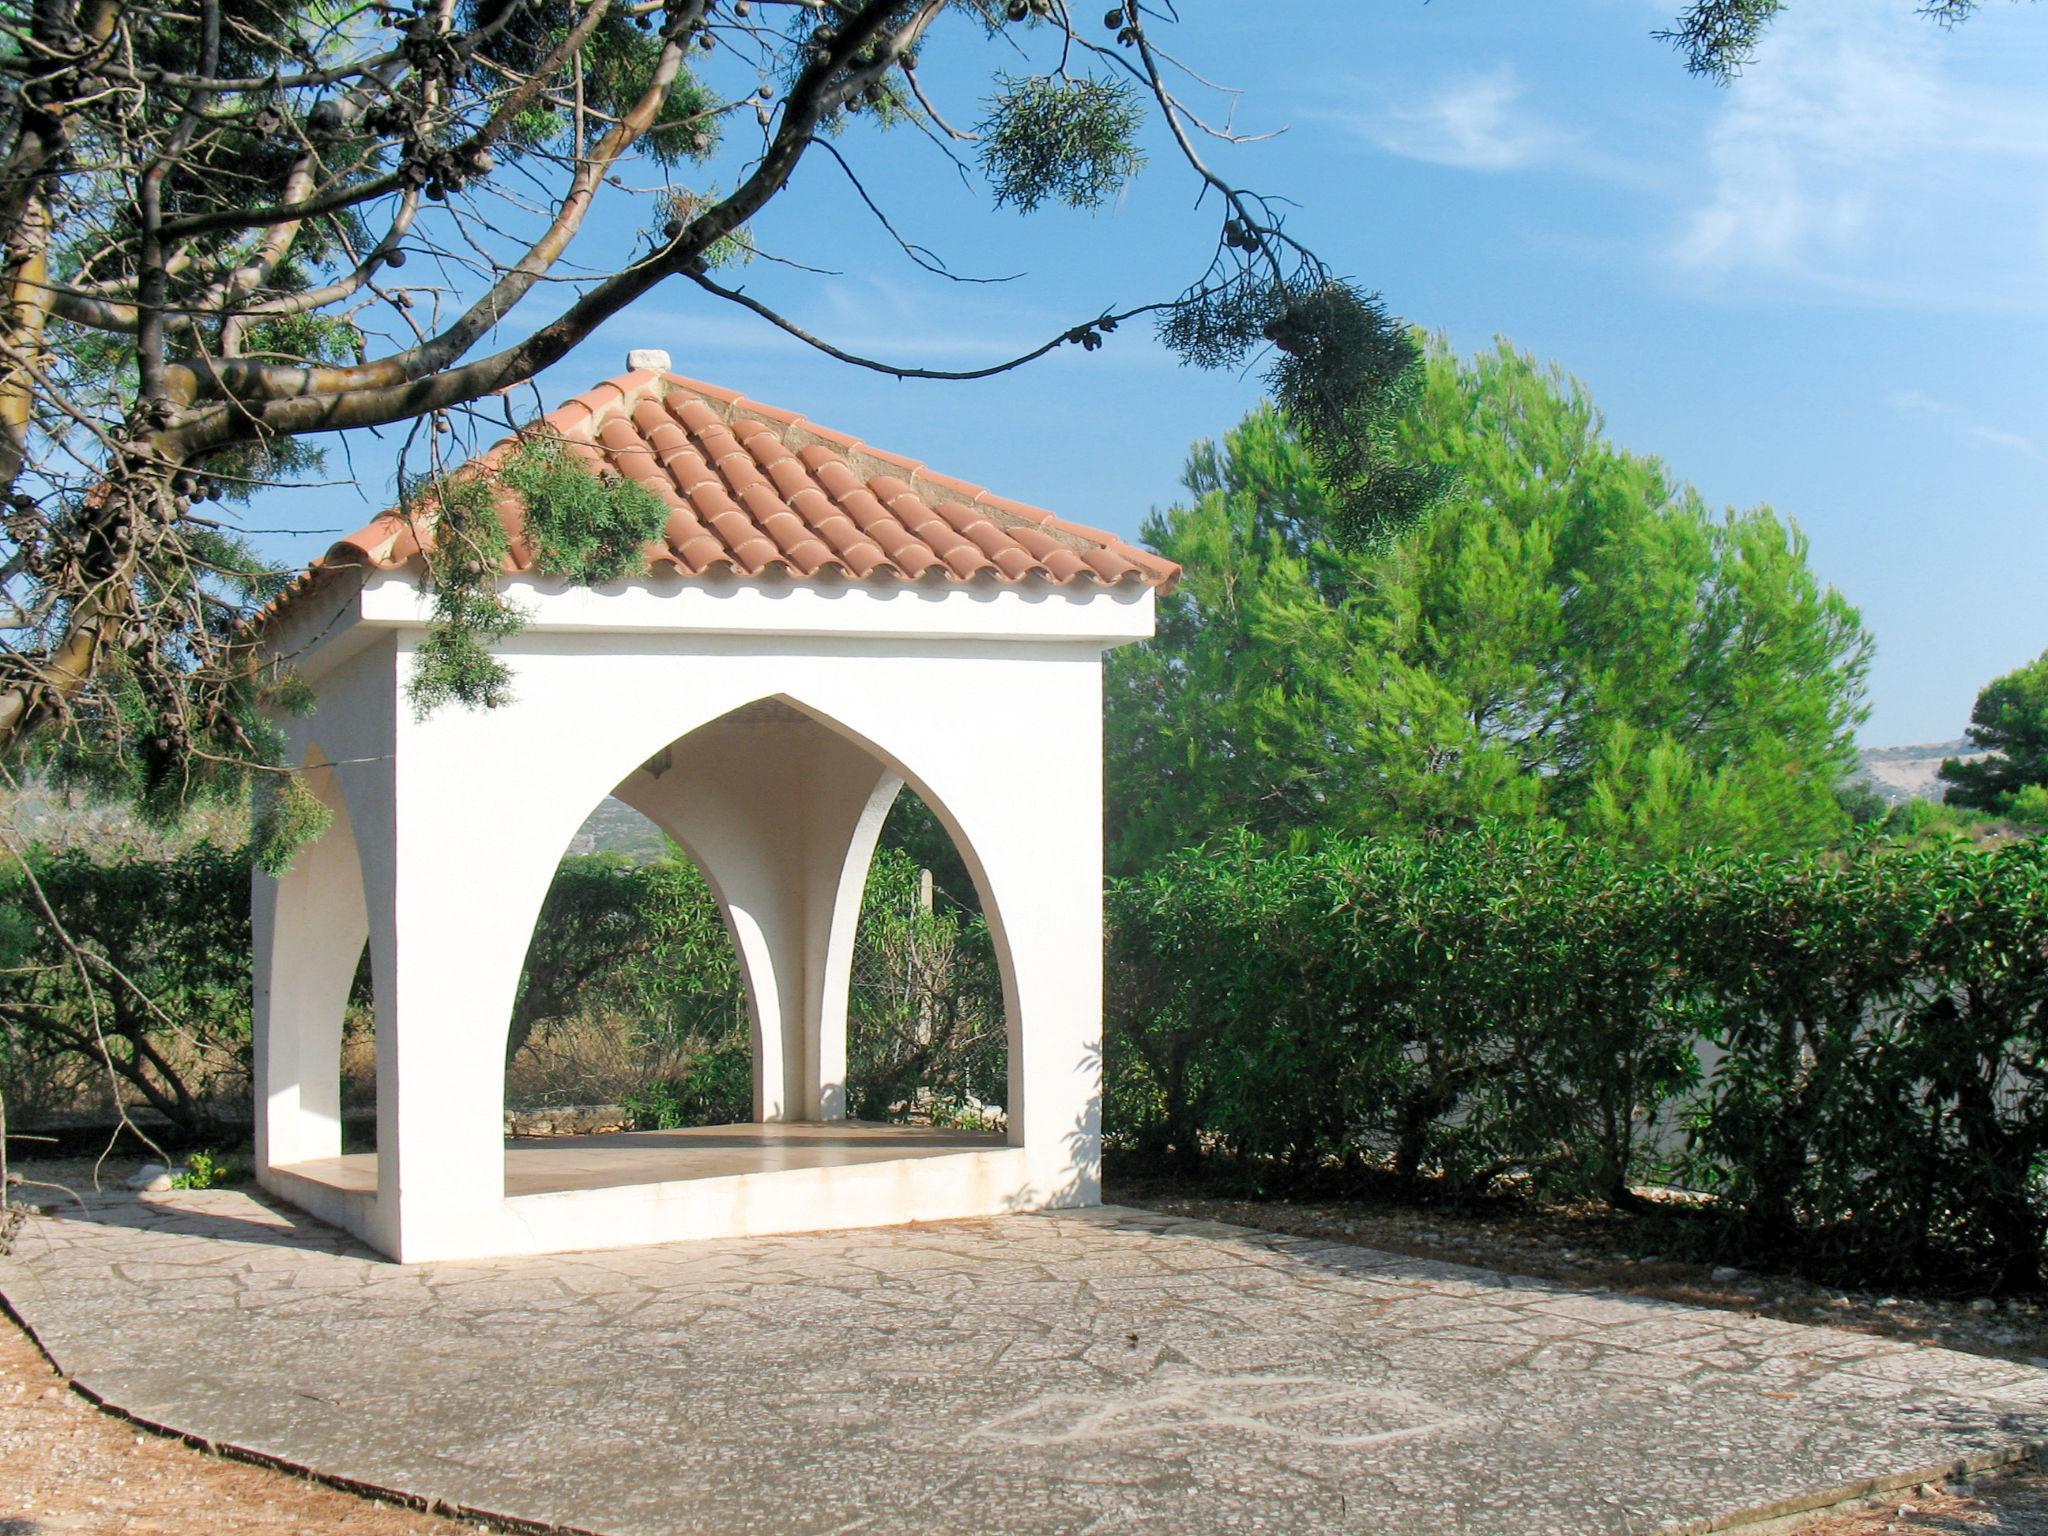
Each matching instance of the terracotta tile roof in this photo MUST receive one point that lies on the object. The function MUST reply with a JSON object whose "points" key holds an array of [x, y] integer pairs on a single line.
{"points": [[754, 490]]}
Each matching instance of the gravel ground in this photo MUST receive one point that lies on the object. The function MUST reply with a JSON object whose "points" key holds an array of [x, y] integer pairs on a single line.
{"points": [[67, 1467]]}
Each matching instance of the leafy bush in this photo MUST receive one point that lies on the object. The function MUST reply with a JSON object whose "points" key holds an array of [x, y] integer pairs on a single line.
{"points": [[153, 986], [638, 942], [210, 1170], [1470, 1007], [924, 1027], [642, 947], [636, 951], [1884, 1103], [717, 1089], [1846, 1049]]}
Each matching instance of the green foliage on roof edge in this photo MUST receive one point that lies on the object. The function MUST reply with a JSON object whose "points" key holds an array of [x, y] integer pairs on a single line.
{"points": [[585, 527]]}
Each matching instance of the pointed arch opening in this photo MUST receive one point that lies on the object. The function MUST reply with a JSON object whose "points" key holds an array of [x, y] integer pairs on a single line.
{"points": [[630, 1011], [762, 953]]}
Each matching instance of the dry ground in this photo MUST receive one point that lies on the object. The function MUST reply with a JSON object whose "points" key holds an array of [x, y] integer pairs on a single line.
{"points": [[2013, 1505], [68, 1467]]}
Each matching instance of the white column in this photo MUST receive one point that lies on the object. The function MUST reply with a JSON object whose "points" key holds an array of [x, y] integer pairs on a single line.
{"points": [[308, 927], [440, 955], [842, 849], [451, 894], [781, 815], [1052, 931]]}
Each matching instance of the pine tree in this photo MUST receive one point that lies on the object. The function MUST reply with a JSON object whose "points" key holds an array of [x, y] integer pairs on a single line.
{"points": [[2010, 722], [1568, 637]]}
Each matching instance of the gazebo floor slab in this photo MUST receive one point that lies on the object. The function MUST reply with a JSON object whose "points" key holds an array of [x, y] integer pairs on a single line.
{"points": [[556, 1164], [572, 1192], [1100, 1371]]}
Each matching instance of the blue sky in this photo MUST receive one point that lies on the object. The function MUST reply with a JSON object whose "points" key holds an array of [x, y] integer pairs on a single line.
{"points": [[1824, 287]]}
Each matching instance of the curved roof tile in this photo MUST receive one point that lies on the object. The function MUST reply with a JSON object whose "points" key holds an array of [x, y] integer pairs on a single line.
{"points": [[753, 488]]}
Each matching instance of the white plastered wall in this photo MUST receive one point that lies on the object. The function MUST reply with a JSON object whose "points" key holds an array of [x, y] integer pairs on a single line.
{"points": [[988, 702]]}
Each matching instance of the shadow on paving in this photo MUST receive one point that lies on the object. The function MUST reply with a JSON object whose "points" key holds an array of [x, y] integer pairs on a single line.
{"points": [[256, 1217]]}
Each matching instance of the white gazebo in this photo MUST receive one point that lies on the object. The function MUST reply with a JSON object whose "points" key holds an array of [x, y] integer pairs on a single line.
{"points": [[824, 624]]}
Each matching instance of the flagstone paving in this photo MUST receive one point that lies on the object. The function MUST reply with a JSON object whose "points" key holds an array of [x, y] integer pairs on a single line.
{"points": [[1094, 1371]]}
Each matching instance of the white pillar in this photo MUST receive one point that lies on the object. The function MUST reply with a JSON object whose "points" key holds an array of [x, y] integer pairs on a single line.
{"points": [[440, 964], [782, 816], [451, 895], [1053, 941], [832, 924], [308, 927]]}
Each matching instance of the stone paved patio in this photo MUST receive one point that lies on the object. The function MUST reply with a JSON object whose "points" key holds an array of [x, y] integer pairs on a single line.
{"points": [[1099, 1371]]}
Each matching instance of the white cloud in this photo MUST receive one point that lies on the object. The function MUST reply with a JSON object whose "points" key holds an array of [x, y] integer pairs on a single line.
{"points": [[1870, 152], [1917, 402], [1477, 122], [1998, 437]]}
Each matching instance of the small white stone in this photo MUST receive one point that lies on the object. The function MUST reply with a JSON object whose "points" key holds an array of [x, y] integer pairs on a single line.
{"points": [[653, 359], [1724, 1273], [150, 1178]]}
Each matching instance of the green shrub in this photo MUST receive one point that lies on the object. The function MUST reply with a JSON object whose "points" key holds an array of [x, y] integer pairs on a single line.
{"points": [[641, 943], [640, 948], [1845, 1049], [154, 985], [210, 1170], [1883, 1104], [644, 944], [925, 1026], [717, 1089]]}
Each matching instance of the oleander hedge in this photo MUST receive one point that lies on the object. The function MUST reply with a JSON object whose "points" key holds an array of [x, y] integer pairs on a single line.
{"points": [[1845, 1050]]}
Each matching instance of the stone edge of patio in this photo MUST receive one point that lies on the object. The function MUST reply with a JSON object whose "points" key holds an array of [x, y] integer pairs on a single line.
{"points": [[232, 1451], [1789, 1514]]}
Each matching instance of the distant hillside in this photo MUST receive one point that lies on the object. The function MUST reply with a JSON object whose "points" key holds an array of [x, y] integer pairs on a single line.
{"points": [[1909, 773], [70, 819], [59, 819], [615, 827], [1898, 774]]}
